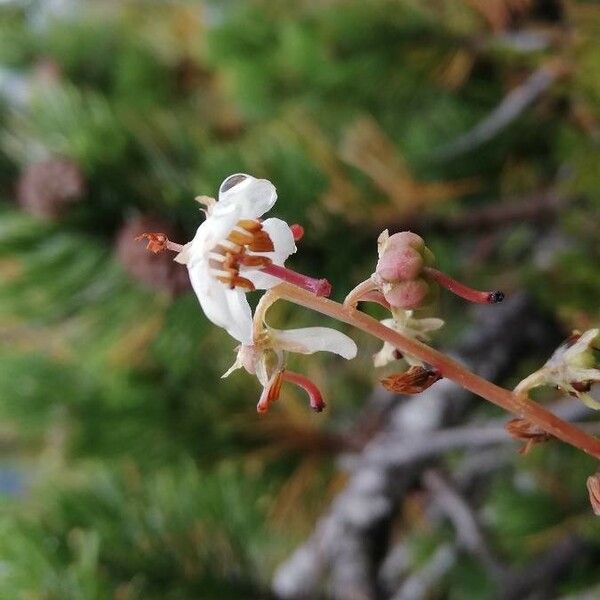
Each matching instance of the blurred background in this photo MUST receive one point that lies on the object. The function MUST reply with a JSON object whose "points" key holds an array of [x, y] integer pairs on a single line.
{"points": [[129, 469]]}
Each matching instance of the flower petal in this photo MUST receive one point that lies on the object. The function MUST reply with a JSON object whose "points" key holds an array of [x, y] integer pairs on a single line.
{"points": [[583, 343], [589, 401], [184, 256], [283, 240], [385, 356], [252, 197], [224, 307], [314, 339], [214, 230], [240, 324]]}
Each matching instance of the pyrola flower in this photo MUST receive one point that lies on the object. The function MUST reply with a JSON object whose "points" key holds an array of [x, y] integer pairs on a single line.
{"points": [[265, 357], [233, 252], [572, 368]]}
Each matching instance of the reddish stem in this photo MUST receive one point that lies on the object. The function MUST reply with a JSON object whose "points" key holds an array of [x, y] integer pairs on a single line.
{"points": [[519, 404], [316, 399], [319, 287], [462, 290]]}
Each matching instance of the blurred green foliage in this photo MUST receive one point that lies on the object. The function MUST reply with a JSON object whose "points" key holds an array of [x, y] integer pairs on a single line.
{"points": [[140, 473]]}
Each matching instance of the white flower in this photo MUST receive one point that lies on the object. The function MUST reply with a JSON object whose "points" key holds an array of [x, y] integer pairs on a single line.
{"points": [[406, 324], [266, 356], [231, 247], [570, 368]]}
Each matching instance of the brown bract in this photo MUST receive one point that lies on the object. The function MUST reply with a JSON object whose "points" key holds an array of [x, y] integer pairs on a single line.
{"points": [[531, 434], [593, 486], [414, 381]]}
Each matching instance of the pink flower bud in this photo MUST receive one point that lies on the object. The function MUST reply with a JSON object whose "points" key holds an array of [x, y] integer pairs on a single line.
{"points": [[404, 239], [400, 264], [407, 295]]}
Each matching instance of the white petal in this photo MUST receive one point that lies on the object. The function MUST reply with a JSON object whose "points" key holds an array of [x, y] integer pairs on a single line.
{"points": [[314, 339], [214, 230], [240, 325], [234, 367], [283, 241], [253, 197], [582, 344], [589, 401], [224, 307], [184, 256], [210, 293], [428, 324], [585, 374], [385, 356]]}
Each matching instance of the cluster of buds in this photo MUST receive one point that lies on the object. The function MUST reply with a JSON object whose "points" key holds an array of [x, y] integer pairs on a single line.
{"points": [[400, 272], [406, 283]]}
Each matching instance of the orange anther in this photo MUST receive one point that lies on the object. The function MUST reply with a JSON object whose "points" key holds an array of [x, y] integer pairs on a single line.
{"points": [[254, 261], [239, 237], [261, 242], [250, 225]]}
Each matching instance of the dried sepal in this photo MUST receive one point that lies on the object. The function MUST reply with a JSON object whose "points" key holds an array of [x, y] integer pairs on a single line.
{"points": [[593, 486], [414, 381], [531, 434], [157, 242]]}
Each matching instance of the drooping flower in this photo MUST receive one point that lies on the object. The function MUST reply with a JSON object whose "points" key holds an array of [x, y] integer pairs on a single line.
{"points": [[572, 368], [234, 252], [266, 356]]}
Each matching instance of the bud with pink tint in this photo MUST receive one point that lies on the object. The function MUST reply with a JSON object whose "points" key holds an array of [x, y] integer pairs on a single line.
{"points": [[402, 258]]}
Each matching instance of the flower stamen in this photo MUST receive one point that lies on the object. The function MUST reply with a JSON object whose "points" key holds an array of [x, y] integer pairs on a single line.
{"points": [[261, 242]]}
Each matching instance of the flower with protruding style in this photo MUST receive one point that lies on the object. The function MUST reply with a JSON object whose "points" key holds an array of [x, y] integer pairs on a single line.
{"points": [[233, 252], [572, 368], [266, 356]]}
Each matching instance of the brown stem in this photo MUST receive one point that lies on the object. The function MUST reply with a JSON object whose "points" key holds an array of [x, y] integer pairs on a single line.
{"points": [[519, 405]]}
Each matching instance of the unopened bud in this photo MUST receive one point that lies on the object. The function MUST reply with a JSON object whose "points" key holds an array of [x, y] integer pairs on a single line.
{"points": [[400, 264], [407, 295]]}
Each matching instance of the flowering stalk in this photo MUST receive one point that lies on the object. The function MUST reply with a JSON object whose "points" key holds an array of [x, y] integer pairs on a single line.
{"points": [[518, 404]]}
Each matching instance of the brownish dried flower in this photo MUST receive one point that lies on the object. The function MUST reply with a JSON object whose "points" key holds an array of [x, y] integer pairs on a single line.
{"points": [[531, 434], [414, 381], [593, 486]]}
